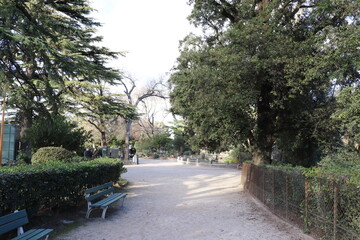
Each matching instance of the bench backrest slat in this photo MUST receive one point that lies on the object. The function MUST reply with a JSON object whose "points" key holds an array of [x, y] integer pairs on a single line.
{"points": [[13, 221], [95, 189], [100, 194]]}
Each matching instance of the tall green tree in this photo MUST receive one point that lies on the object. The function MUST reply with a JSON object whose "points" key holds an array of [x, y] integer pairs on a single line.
{"points": [[44, 47], [264, 73]]}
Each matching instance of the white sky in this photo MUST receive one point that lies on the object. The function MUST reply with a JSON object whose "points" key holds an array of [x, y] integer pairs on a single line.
{"points": [[148, 30]]}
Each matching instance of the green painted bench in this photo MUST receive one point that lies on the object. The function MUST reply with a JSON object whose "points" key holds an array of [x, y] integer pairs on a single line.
{"points": [[101, 197], [15, 221]]}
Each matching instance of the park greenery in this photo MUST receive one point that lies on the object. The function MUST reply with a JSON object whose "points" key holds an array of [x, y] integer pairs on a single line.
{"points": [[54, 184], [264, 77], [55, 77], [51, 154], [271, 74], [275, 81]]}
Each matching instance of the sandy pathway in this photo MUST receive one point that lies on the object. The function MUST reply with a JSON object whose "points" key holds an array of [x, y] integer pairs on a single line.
{"points": [[171, 201]]}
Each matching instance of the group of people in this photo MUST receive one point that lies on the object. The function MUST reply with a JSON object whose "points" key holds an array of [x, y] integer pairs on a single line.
{"points": [[88, 153]]}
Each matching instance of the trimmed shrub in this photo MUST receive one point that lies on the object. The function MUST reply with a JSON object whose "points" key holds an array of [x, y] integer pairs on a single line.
{"points": [[50, 154], [53, 184]]}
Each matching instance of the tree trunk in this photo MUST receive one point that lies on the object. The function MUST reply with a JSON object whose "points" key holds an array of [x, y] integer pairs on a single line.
{"points": [[103, 139], [128, 124], [25, 124], [264, 138]]}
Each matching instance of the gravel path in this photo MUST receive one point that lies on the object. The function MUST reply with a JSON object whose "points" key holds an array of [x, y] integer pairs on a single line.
{"points": [[168, 200]]}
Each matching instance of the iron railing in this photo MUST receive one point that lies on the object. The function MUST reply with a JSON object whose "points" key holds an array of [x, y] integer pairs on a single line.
{"points": [[329, 209]]}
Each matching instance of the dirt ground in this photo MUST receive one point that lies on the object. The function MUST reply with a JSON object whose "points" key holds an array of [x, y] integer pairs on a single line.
{"points": [[167, 200]]}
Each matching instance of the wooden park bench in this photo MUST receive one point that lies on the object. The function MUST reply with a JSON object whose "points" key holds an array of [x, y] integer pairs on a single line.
{"points": [[15, 221], [101, 197]]}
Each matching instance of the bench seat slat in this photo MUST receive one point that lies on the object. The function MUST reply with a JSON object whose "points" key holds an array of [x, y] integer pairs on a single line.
{"points": [[34, 234], [13, 225], [12, 216], [12, 221], [109, 200], [101, 197], [95, 189], [100, 194]]}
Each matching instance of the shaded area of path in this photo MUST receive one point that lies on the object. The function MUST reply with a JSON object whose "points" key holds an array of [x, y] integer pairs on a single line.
{"points": [[167, 200]]}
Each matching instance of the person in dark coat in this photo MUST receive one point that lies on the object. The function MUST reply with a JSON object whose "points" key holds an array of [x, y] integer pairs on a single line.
{"points": [[132, 152], [88, 153]]}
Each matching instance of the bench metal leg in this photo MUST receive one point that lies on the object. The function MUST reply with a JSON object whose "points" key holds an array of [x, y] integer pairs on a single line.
{"points": [[104, 212], [88, 212], [122, 203]]}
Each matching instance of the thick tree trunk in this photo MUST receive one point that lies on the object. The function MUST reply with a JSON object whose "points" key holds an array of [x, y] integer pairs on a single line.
{"points": [[264, 138]]}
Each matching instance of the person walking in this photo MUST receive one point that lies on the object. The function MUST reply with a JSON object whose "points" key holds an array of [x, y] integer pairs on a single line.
{"points": [[88, 153]]}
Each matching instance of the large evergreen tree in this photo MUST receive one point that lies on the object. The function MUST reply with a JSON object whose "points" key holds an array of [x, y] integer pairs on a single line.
{"points": [[44, 47], [264, 73]]}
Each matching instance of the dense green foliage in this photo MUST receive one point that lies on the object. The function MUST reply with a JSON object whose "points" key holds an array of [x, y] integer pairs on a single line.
{"points": [[49, 51], [265, 73], [159, 143], [340, 165], [56, 132], [347, 117], [181, 138], [54, 184], [162, 143], [52, 154]]}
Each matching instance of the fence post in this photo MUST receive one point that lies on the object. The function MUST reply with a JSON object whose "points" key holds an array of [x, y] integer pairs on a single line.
{"points": [[336, 203], [306, 201]]}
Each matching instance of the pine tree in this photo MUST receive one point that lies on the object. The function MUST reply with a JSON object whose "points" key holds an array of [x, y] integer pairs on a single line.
{"points": [[46, 46]]}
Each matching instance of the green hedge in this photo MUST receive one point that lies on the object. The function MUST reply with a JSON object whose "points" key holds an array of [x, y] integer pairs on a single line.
{"points": [[49, 154], [54, 184]]}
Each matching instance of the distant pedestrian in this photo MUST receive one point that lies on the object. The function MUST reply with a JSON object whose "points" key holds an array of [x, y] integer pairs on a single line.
{"points": [[88, 153], [132, 152], [97, 153]]}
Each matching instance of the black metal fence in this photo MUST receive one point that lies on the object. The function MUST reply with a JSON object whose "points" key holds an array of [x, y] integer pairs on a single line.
{"points": [[329, 209]]}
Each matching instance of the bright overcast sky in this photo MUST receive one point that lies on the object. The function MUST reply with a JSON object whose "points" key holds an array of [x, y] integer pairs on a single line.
{"points": [[148, 30]]}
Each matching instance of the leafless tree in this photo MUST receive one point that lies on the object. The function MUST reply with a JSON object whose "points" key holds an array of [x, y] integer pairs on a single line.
{"points": [[148, 122], [155, 88]]}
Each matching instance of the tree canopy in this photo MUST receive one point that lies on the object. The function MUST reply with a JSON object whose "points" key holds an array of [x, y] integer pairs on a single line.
{"points": [[49, 50], [264, 73]]}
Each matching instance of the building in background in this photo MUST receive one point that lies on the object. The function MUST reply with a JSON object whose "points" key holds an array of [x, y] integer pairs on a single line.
{"points": [[10, 143]]}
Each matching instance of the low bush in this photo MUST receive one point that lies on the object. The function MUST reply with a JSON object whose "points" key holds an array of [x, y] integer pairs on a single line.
{"points": [[50, 154], [53, 184], [187, 153]]}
